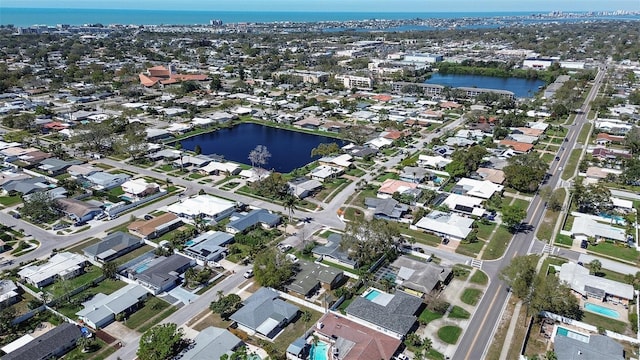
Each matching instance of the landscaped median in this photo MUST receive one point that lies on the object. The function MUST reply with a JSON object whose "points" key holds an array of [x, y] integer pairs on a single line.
{"points": [[572, 164]]}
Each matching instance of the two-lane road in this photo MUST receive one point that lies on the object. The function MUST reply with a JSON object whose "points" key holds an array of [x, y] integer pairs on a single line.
{"points": [[478, 335]]}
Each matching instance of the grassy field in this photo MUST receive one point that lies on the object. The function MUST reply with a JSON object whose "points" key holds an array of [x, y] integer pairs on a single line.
{"points": [[78, 248], [295, 330], [521, 203], [621, 252], [572, 163], [470, 249], [211, 320], [564, 240], [449, 334], [484, 230], [459, 313], [498, 244], [605, 322], [419, 236], [92, 273], [584, 133], [10, 200], [479, 277], [471, 296]]}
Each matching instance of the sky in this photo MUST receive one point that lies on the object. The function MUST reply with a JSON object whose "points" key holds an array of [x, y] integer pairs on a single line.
{"points": [[338, 5]]}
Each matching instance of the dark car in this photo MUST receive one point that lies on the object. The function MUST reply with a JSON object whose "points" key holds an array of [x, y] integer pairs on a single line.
{"points": [[557, 158], [584, 244]]}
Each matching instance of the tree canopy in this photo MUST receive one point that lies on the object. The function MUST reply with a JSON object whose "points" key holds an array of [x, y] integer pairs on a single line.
{"points": [[40, 208], [366, 240], [465, 161], [592, 198], [325, 149], [271, 268], [512, 216], [226, 305], [161, 342], [525, 171]]}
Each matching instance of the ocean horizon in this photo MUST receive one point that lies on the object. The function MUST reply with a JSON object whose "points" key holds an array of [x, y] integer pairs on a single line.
{"points": [[24, 17]]}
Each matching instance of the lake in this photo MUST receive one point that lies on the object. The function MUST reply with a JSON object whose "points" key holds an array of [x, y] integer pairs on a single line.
{"points": [[289, 149], [522, 88]]}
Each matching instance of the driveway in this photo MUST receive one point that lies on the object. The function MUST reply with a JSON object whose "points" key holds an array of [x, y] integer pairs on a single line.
{"points": [[182, 295], [119, 331]]}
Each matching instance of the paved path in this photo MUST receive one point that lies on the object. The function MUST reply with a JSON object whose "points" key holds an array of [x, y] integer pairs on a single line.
{"points": [[510, 332]]}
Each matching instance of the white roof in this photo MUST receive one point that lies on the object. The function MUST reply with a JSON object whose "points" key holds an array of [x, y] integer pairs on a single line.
{"points": [[220, 166], [483, 189], [58, 264], [201, 204], [468, 201], [137, 186], [379, 142], [583, 225], [202, 121], [621, 203], [446, 223], [343, 160], [17, 344], [578, 277], [434, 161], [324, 171]]}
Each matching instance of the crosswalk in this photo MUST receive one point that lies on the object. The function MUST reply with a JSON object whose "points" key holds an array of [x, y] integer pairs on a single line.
{"points": [[549, 249], [476, 263]]}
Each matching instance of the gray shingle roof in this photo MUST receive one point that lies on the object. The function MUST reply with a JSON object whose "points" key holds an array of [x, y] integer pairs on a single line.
{"points": [[112, 243], [44, 345], [599, 347], [398, 315], [212, 343], [332, 249], [257, 216], [262, 305]]}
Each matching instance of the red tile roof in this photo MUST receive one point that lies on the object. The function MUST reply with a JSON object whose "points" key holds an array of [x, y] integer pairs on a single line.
{"points": [[611, 138], [517, 146], [382, 97]]}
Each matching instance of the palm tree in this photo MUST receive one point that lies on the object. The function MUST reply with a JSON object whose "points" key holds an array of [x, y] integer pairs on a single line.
{"points": [[306, 317], [85, 344], [427, 344], [289, 203]]}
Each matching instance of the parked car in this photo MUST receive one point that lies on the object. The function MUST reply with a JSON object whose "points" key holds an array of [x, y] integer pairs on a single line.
{"points": [[248, 274], [584, 244]]}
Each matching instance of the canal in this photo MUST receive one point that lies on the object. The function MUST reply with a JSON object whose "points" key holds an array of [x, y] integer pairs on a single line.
{"points": [[289, 149]]}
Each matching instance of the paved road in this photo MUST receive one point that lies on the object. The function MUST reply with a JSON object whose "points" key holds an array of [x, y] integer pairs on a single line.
{"points": [[625, 194], [478, 335], [610, 264]]}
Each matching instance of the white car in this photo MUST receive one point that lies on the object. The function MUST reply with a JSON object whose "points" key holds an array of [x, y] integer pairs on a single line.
{"points": [[248, 274]]}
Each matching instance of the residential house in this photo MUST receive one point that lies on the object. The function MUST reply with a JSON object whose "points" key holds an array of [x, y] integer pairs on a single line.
{"points": [[163, 273], [55, 166], [392, 314], [481, 189], [303, 187], [494, 175], [414, 174], [324, 172], [139, 188], [358, 151], [421, 278], [518, 147], [165, 154], [310, 123], [434, 162], [156, 227], [342, 161], [33, 158], [451, 225], [611, 154], [392, 186], [12, 154], [264, 313], [106, 181], [444, 150], [587, 347], [77, 210], [82, 170], [209, 247], [310, 277], [217, 168], [388, 208], [112, 247], [207, 206], [197, 162], [379, 143], [102, 309], [212, 343], [351, 340], [25, 186], [8, 293], [584, 284], [332, 252], [466, 205], [6, 176], [156, 135], [521, 138], [63, 265], [585, 227], [52, 344], [605, 139], [241, 222]]}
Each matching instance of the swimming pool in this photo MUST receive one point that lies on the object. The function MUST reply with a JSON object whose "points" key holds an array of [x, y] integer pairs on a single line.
{"points": [[189, 243], [141, 268], [616, 218], [572, 334], [319, 351], [601, 310], [372, 294]]}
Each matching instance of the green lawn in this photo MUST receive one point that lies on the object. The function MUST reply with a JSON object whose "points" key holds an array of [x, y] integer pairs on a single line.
{"points": [[92, 272], [618, 251], [295, 330], [605, 322], [572, 163], [133, 254], [107, 286], [484, 230], [564, 240], [547, 226], [479, 277], [521, 203], [470, 249], [548, 158], [449, 334], [471, 296], [459, 313], [584, 132], [434, 354], [10, 200], [427, 316], [498, 244], [419, 236], [461, 272], [152, 307], [153, 322], [116, 191], [386, 176]]}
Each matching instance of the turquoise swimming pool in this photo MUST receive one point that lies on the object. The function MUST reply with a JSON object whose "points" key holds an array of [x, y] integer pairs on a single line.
{"points": [[572, 334], [319, 351], [372, 294], [602, 310]]}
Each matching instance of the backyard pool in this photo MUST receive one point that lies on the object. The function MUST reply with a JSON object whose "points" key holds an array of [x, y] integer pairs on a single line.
{"points": [[141, 268], [601, 310], [616, 218], [372, 294], [189, 243], [319, 351]]}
